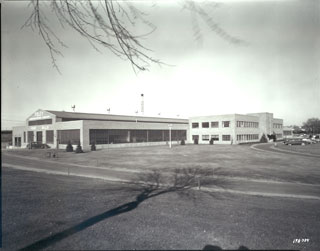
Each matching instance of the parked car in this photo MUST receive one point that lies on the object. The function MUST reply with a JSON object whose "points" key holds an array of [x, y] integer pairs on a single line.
{"points": [[296, 141], [309, 141], [316, 138], [37, 145]]}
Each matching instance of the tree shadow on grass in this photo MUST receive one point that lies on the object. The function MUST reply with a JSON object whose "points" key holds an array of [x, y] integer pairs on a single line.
{"points": [[213, 247], [151, 184]]}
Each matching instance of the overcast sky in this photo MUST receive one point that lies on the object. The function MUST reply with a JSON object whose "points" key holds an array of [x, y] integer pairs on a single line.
{"points": [[276, 71]]}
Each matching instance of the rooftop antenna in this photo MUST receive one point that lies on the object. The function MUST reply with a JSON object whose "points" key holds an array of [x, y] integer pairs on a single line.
{"points": [[136, 115], [73, 107], [142, 104]]}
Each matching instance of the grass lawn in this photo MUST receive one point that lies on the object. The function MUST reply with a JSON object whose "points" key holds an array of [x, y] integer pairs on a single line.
{"points": [[76, 213], [229, 160]]}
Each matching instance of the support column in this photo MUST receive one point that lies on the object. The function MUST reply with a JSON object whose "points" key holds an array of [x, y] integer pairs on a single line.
{"points": [[44, 137], [128, 138]]}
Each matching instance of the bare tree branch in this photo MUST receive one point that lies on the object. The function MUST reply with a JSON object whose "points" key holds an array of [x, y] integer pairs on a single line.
{"points": [[106, 24]]}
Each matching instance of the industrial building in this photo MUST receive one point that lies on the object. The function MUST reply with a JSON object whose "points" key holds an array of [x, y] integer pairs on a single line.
{"points": [[288, 131], [57, 128], [234, 128]]}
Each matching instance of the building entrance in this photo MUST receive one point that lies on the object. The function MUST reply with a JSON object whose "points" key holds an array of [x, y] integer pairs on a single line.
{"points": [[17, 141], [39, 137]]}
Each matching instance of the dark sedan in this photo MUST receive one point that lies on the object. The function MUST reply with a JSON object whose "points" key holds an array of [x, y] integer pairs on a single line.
{"points": [[37, 145], [296, 141]]}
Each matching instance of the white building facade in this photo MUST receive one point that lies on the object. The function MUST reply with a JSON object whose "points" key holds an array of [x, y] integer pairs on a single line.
{"points": [[57, 129], [234, 128]]}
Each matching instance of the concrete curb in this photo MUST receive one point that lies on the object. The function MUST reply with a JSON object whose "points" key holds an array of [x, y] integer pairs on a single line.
{"points": [[262, 150], [281, 151], [297, 153]]}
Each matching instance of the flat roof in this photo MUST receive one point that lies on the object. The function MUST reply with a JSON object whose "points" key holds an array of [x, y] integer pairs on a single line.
{"points": [[112, 117], [223, 115]]}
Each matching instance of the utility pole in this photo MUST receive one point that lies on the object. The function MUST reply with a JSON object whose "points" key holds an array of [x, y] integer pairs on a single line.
{"points": [[170, 143]]}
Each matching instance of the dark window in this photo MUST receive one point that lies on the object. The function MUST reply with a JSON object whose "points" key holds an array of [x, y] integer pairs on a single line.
{"points": [[98, 136], [205, 124], [246, 137], [24, 137], [40, 122], [226, 137], [118, 136], [225, 123], [114, 136], [195, 125], [195, 139], [215, 137], [139, 136], [39, 137], [154, 135], [165, 135], [49, 137], [215, 124], [17, 141], [30, 136], [179, 134], [205, 137], [64, 136]]}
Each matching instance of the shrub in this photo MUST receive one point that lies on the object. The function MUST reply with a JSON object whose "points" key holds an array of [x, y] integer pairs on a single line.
{"points": [[183, 142], [211, 141], [263, 139], [79, 148], [93, 147], [69, 147]]}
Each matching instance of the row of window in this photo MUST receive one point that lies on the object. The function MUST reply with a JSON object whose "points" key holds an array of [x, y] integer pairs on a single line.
{"points": [[111, 136], [247, 124], [240, 137], [49, 136], [214, 124], [275, 125], [213, 137], [40, 122], [246, 137], [64, 136], [102, 136]]}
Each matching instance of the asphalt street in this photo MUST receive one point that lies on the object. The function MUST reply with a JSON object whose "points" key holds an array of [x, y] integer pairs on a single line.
{"points": [[274, 149]]}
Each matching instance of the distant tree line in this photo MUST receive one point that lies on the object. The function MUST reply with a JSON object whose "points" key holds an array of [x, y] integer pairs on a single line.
{"points": [[312, 126]]}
